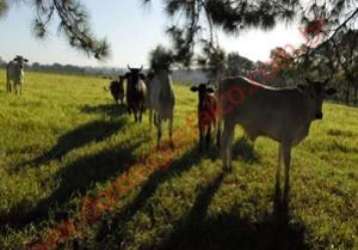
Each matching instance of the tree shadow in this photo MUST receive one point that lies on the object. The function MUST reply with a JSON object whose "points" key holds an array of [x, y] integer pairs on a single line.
{"points": [[148, 189], [76, 179], [229, 231], [112, 110], [244, 150], [95, 131]]}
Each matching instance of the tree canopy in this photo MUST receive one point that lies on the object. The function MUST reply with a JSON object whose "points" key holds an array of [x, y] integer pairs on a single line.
{"points": [[200, 19]]}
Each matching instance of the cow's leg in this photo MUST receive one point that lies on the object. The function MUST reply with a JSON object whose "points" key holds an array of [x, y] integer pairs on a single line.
{"points": [[201, 137], [277, 195], [8, 87], [159, 130], [226, 143], [150, 116], [170, 126], [140, 113], [218, 134], [286, 150], [208, 136]]}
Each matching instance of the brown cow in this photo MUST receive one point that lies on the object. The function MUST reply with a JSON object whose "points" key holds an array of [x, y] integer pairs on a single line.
{"points": [[207, 113], [116, 87]]}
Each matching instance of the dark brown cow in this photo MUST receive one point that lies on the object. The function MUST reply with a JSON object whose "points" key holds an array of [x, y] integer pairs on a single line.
{"points": [[207, 113], [136, 92], [116, 88]]}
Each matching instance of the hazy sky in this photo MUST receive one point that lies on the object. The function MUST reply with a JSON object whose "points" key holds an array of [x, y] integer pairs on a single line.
{"points": [[132, 32]]}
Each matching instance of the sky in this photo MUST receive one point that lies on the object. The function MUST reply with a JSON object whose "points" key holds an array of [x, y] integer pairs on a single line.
{"points": [[132, 32]]}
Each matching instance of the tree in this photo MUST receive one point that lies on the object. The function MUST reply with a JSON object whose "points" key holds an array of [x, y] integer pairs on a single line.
{"points": [[238, 65], [74, 24], [160, 58], [201, 19]]}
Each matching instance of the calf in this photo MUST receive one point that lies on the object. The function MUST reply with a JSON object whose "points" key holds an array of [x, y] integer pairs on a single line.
{"points": [[116, 88], [15, 74], [207, 113], [282, 114], [136, 92], [162, 102]]}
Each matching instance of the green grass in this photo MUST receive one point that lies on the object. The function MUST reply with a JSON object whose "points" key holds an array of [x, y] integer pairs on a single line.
{"points": [[64, 140]]}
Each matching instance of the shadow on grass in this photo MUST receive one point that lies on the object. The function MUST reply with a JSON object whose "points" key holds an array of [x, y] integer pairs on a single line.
{"points": [[244, 150], [95, 131], [228, 231], [76, 179], [148, 189], [112, 110]]}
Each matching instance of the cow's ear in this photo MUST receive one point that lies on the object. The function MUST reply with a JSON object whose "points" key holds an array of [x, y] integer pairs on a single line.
{"points": [[331, 91], [301, 88], [26, 60], [194, 88]]}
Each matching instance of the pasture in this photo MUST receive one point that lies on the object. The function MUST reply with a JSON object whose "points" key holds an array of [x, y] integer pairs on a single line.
{"points": [[76, 172]]}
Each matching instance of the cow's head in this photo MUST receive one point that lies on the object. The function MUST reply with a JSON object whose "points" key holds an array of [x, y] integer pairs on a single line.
{"points": [[315, 92], [202, 89], [134, 75], [20, 60]]}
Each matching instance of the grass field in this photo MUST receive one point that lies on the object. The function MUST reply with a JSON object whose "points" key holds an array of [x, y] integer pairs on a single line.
{"points": [[77, 173]]}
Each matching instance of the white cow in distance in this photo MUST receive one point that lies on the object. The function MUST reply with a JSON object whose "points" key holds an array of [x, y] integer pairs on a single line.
{"points": [[15, 74]]}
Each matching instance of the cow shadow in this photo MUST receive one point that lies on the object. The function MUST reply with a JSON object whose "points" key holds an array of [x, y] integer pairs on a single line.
{"points": [[244, 150], [76, 179], [168, 171], [111, 110], [227, 230], [95, 131]]}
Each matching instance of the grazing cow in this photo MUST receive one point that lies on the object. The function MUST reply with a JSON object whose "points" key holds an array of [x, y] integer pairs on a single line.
{"points": [[207, 113], [15, 74], [162, 102], [136, 92], [116, 88], [282, 114]]}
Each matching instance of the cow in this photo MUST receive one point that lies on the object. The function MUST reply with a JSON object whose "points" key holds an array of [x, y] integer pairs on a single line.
{"points": [[148, 80], [136, 92], [15, 74], [207, 113], [116, 87], [162, 102], [282, 114]]}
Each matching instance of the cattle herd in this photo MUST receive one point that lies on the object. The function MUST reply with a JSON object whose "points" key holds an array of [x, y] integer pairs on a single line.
{"points": [[282, 114]]}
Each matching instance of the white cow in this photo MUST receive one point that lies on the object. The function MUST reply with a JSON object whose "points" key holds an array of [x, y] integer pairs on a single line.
{"points": [[162, 102], [15, 74], [282, 114]]}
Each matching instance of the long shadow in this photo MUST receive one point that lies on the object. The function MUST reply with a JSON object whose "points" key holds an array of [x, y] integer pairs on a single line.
{"points": [[95, 131], [229, 231], [148, 189], [76, 179], [191, 223], [112, 110]]}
